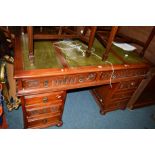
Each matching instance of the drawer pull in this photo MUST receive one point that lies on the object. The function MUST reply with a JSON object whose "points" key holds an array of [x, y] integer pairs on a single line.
{"points": [[44, 111], [132, 83], [58, 96], [34, 112], [45, 99], [46, 83], [44, 121]]}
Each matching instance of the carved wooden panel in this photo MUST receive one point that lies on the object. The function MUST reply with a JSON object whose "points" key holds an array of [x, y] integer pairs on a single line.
{"points": [[122, 95], [43, 110], [45, 98], [122, 73], [59, 81], [43, 121], [129, 84], [31, 84], [80, 80]]}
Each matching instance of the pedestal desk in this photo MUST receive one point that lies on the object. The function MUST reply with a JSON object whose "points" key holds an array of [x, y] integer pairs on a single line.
{"points": [[42, 86]]}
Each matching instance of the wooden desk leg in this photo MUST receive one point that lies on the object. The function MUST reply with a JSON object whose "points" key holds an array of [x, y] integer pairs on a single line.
{"points": [[148, 41], [91, 40], [30, 43], [109, 43]]}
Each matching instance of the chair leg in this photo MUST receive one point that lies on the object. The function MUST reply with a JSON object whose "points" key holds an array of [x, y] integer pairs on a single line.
{"points": [[91, 40], [30, 43], [148, 41], [109, 43]]}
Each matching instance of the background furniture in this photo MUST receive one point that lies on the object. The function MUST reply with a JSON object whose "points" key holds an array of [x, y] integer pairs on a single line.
{"points": [[67, 33], [63, 33], [121, 35]]}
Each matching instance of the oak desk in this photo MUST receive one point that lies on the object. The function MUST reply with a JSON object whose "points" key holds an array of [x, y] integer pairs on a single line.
{"points": [[58, 67]]}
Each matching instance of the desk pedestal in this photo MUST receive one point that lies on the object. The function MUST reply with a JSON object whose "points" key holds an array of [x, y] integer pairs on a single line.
{"points": [[43, 110], [115, 97]]}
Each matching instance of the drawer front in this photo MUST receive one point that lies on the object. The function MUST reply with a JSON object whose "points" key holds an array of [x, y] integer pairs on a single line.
{"points": [[125, 73], [53, 82], [33, 112], [122, 94], [45, 98], [129, 84], [116, 103], [120, 102], [46, 121]]}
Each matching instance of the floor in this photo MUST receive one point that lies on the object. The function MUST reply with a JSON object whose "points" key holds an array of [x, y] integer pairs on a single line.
{"points": [[82, 112]]}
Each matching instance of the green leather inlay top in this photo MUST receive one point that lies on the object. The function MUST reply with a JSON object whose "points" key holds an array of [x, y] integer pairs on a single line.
{"points": [[44, 55], [75, 57], [132, 57]]}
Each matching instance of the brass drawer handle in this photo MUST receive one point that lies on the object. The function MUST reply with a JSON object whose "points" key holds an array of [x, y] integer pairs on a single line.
{"points": [[45, 99], [46, 83], [44, 121], [58, 96], [44, 111], [34, 112]]}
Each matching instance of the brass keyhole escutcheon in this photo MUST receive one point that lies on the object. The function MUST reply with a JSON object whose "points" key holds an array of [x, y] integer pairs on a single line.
{"points": [[45, 99], [81, 79], [46, 83]]}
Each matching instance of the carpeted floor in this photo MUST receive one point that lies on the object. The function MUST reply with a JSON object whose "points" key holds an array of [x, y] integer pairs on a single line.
{"points": [[82, 112]]}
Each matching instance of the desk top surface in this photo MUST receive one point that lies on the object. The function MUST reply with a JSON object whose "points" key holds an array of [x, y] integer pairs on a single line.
{"points": [[73, 52]]}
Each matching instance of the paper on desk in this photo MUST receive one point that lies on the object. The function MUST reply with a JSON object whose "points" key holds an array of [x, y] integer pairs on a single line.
{"points": [[125, 46]]}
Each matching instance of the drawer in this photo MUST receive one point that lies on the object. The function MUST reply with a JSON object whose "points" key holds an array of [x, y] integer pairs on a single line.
{"points": [[129, 84], [39, 122], [58, 81], [116, 103], [45, 98], [122, 94], [120, 102], [33, 112]]}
